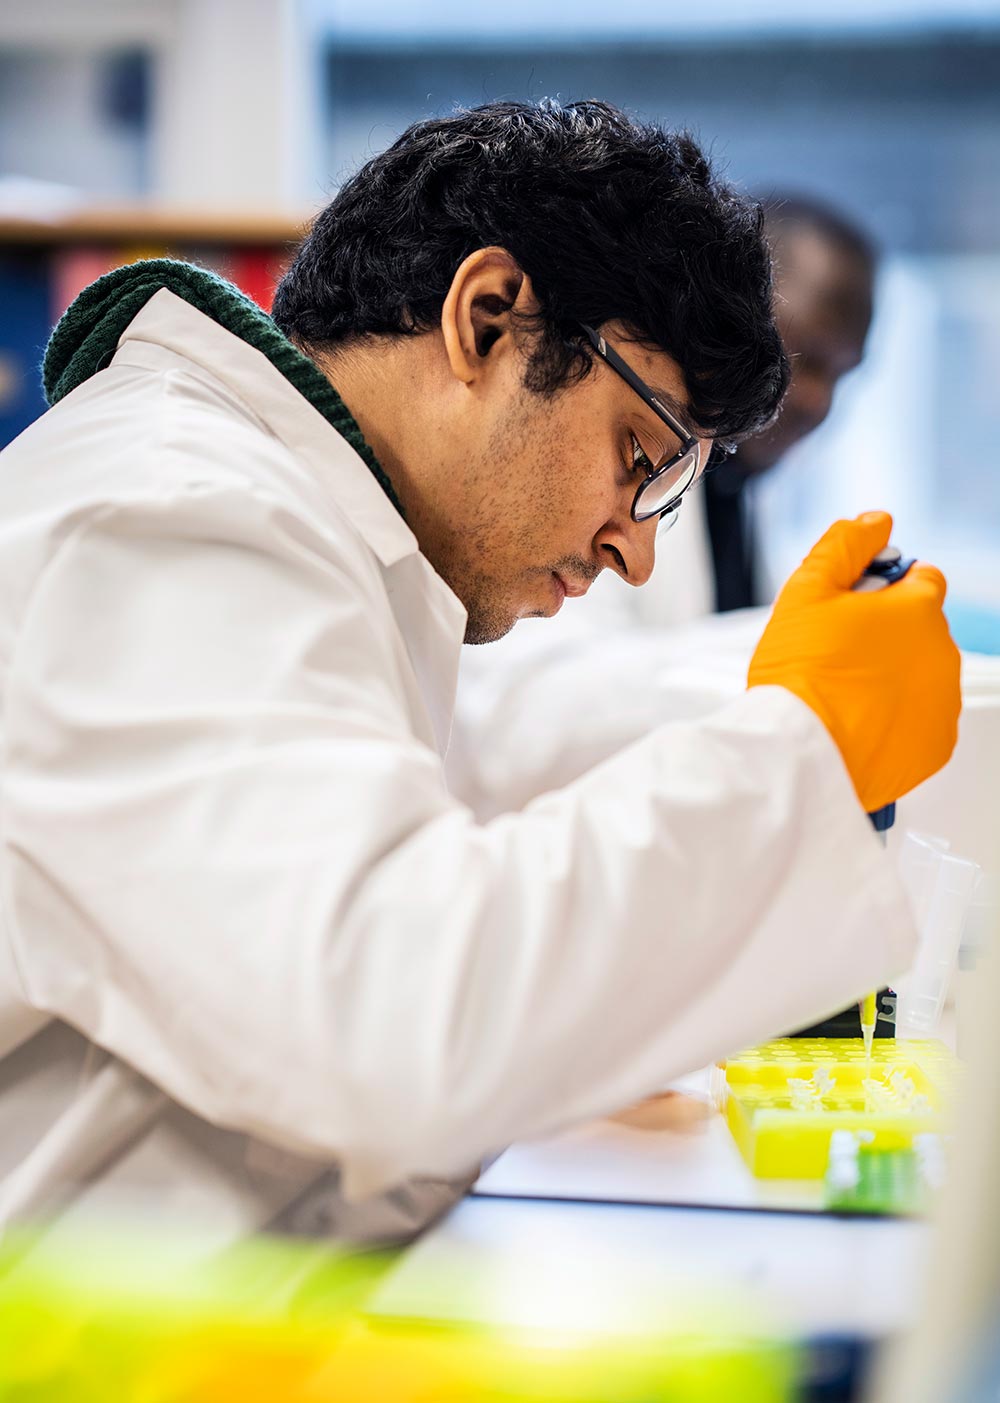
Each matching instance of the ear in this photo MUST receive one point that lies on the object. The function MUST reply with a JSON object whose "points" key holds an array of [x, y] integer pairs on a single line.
{"points": [[476, 320]]}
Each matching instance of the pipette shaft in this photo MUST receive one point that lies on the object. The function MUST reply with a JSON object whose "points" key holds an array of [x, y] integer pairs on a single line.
{"points": [[887, 567]]}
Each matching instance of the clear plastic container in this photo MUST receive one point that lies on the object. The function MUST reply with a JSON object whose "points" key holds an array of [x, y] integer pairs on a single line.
{"points": [[942, 889]]}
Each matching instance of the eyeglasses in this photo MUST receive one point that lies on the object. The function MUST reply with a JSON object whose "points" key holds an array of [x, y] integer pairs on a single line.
{"points": [[660, 491]]}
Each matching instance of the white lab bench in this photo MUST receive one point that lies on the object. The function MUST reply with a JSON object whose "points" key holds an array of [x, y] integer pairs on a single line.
{"points": [[578, 1230]]}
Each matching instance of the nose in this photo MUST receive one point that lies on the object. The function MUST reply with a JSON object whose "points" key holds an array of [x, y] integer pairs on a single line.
{"points": [[629, 548]]}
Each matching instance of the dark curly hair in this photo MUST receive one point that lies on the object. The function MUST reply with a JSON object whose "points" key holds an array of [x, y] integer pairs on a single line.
{"points": [[611, 219]]}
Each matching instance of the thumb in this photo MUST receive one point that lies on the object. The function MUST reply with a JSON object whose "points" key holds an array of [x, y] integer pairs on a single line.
{"points": [[838, 560]]}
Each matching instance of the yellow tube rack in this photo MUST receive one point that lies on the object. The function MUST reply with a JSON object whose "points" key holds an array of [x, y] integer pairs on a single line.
{"points": [[784, 1099]]}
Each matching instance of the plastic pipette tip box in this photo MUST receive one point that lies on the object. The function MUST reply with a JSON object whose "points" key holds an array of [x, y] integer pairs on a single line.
{"points": [[784, 1100]]}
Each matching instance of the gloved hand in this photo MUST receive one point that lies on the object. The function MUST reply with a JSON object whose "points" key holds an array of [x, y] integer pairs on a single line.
{"points": [[880, 670]]}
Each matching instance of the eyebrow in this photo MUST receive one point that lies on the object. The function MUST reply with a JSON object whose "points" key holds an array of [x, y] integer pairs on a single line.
{"points": [[668, 401]]}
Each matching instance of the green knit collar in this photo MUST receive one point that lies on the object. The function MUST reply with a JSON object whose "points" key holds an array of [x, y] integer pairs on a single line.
{"points": [[87, 335]]}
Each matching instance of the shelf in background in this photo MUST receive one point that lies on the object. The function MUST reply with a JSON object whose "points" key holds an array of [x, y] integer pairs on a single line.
{"points": [[156, 224]]}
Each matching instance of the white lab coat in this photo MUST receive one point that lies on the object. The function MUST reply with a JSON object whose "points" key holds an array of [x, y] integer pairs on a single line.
{"points": [[557, 696], [257, 964]]}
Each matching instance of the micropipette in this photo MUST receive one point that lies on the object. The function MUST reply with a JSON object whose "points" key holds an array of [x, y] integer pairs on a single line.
{"points": [[886, 568]]}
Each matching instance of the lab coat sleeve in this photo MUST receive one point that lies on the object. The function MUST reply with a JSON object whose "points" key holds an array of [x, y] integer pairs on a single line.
{"points": [[228, 860], [556, 697]]}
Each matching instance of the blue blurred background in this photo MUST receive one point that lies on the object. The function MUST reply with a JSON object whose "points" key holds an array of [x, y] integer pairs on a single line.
{"points": [[889, 110]]}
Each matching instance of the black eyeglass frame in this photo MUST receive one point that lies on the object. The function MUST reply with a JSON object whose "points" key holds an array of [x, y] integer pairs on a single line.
{"points": [[689, 442]]}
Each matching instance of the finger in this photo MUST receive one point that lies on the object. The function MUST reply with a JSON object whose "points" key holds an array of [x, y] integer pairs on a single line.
{"points": [[840, 558], [672, 1110], [927, 580]]}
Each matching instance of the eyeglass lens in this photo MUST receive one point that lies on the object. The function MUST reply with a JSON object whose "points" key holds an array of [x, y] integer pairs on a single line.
{"points": [[657, 493]]}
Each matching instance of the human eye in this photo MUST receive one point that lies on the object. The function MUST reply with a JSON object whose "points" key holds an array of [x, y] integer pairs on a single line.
{"points": [[640, 459]]}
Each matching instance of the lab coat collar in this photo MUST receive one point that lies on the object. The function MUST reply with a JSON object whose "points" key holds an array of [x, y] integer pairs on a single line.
{"points": [[167, 320], [430, 616]]}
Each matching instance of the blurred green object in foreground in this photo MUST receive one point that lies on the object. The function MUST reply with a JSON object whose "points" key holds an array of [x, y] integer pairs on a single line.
{"points": [[130, 1320]]}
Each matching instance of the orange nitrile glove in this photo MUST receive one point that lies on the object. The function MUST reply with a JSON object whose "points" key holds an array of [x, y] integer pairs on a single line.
{"points": [[880, 670]]}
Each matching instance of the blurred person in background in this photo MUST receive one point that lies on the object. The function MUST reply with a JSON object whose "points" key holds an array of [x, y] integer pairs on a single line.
{"points": [[259, 966], [824, 284]]}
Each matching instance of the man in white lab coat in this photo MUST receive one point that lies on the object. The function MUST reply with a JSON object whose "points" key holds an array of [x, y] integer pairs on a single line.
{"points": [[258, 966]]}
